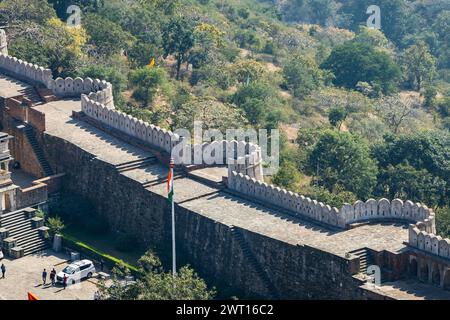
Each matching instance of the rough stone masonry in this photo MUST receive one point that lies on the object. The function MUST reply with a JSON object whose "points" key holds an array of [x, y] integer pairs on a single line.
{"points": [[234, 239]]}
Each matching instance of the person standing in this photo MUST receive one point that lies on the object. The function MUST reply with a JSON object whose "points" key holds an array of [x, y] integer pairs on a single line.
{"points": [[53, 276], [44, 276], [3, 270], [65, 282]]}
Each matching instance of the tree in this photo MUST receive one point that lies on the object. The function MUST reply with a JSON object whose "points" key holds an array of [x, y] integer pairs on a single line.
{"points": [[287, 176], [322, 11], [374, 37], [17, 11], [395, 16], [211, 112], [51, 44], [428, 150], [258, 100], [406, 182], [419, 65], [353, 62], [155, 284], [429, 94], [208, 38], [247, 71], [337, 116], [178, 39], [302, 75], [108, 73], [441, 28], [107, 37], [342, 160], [147, 82], [396, 111]]}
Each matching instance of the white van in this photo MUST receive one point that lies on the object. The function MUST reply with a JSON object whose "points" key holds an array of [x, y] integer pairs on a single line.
{"points": [[76, 271]]}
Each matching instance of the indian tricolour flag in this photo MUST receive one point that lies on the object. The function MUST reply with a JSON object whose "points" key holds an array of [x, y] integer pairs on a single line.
{"points": [[170, 184]]}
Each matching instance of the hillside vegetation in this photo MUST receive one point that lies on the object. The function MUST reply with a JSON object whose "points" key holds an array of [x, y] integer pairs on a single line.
{"points": [[363, 113]]}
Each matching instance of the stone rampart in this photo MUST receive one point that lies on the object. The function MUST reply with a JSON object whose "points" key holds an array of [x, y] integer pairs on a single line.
{"points": [[26, 71], [97, 90], [242, 156], [371, 210]]}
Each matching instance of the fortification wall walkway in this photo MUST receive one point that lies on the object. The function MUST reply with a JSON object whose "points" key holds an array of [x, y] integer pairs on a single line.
{"points": [[211, 202]]}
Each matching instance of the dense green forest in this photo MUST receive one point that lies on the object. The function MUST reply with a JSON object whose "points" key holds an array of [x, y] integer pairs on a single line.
{"points": [[363, 112]]}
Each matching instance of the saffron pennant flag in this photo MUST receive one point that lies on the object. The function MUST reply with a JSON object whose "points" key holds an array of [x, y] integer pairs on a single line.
{"points": [[152, 63], [31, 296]]}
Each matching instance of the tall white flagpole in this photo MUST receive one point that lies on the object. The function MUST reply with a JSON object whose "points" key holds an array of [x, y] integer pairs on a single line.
{"points": [[174, 257]]}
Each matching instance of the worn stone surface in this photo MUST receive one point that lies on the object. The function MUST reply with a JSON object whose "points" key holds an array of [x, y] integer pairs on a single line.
{"points": [[300, 258], [25, 275]]}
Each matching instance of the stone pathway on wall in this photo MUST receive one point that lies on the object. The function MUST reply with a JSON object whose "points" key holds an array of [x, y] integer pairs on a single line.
{"points": [[10, 87], [409, 290], [224, 208]]}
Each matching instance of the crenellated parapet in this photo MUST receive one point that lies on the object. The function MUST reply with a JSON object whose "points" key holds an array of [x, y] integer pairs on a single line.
{"points": [[422, 236], [368, 211], [26, 71], [97, 90], [97, 103], [241, 156]]}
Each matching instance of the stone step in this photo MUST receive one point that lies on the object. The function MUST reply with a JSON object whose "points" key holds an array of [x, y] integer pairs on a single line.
{"points": [[12, 222], [30, 242], [24, 236], [38, 151], [17, 225], [35, 248], [136, 164], [19, 231], [11, 215]]}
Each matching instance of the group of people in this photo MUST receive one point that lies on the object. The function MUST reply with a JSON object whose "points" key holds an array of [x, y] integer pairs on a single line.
{"points": [[52, 278]]}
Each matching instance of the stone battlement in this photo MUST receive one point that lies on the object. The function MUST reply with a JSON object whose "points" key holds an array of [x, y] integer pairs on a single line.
{"points": [[97, 102], [26, 71], [97, 90], [240, 155], [371, 210]]}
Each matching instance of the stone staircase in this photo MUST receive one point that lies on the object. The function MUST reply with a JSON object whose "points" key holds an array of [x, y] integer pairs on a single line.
{"points": [[38, 151], [32, 95], [46, 95], [136, 164], [365, 259], [260, 271], [22, 233]]}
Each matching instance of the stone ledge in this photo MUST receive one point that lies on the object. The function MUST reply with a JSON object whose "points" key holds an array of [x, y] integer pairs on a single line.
{"points": [[37, 222], [16, 252]]}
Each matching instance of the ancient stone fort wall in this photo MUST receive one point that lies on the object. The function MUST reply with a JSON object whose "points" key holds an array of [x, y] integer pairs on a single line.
{"points": [[213, 248]]}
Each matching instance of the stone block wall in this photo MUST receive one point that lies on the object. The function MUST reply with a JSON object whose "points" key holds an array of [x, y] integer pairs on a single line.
{"points": [[16, 109], [36, 119], [371, 210], [21, 149], [298, 272], [32, 195]]}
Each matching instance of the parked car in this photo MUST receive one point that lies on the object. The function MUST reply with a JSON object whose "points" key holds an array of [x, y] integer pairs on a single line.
{"points": [[76, 271], [1, 254]]}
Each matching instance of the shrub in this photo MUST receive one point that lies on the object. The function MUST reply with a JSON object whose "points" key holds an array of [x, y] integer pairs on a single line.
{"points": [[55, 224]]}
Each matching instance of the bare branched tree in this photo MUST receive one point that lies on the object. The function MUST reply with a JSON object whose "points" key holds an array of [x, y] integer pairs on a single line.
{"points": [[396, 110]]}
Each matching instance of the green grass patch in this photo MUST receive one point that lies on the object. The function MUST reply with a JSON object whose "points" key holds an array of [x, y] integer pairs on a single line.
{"points": [[100, 247]]}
